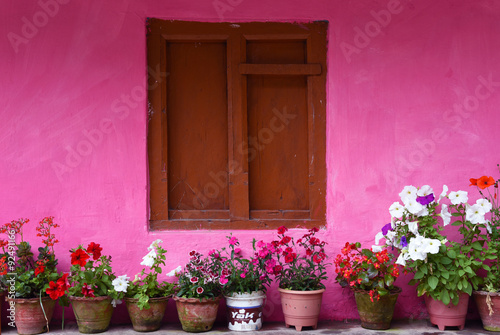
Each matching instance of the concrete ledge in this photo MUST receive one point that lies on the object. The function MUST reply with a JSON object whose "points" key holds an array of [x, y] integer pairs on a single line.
{"points": [[401, 327]]}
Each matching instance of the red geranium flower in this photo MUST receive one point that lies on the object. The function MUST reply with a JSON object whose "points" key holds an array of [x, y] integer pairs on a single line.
{"points": [[54, 291], [94, 249], [79, 257], [63, 282]]}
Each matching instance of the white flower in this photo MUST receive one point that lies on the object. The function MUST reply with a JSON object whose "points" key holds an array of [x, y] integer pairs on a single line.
{"points": [[115, 302], [459, 197], [443, 242], [174, 271], [488, 227], [475, 214], [155, 244], [396, 210], [149, 259], [412, 205], [403, 257], [378, 237], [389, 238], [408, 192], [443, 194], [120, 284], [377, 248], [423, 212], [445, 214], [431, 245], [413, 227], [485, 204], [416, 249], [424, 190]]}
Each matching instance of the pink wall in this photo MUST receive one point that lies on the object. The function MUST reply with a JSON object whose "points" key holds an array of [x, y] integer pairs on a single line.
{"points": [[407, 104]]}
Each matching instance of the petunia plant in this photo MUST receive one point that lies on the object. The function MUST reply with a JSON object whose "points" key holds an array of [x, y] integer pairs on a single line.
{"points": [[243, 275], [200, 277], [442, 268], [145, 284]]}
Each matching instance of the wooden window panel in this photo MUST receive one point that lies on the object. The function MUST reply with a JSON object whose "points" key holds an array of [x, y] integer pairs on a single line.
{"points": [[261, 67]]}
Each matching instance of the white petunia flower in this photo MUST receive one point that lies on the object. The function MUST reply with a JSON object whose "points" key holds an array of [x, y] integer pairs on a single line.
{"points": [[120, 284], [488, 227], [431, 245], [408, 192], [377, 248], [445, 214], [155, 244], [424, 190], [475, 214], [174, 271], [403, 257], [115, 302], [413, 227], [412, 205], [423, 212], [416, 249], [485, 204], [149, 259], [443, 194], [389, 238], [378, 237], [396, 210], [459, 197]]}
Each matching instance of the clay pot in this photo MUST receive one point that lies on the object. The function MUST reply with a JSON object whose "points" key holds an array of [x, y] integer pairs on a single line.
{"points": [[376, 314], [244, 310], [195, 315], [490, 316], [301, 308], [147, 320], [29, 316], [449, 315], [93, 315]]}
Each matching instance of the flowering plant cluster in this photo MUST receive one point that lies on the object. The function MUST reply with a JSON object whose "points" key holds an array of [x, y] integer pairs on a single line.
{"points": [[441, 268], [488, 189], [32, 276], [364, 269], [145, 284], [300, 265], [240, 275], [200, 277]]}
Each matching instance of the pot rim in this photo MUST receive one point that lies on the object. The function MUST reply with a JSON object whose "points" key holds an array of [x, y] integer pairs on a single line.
{"points": [[251, 295], [105, 297], [301, 292], [396, 290], [150, 299], [183, 299], [27, 300], [495, 294]]}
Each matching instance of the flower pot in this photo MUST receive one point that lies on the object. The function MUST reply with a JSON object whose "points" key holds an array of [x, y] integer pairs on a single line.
{"points": [[490, 315], [377, 314], [147, 320], [29, 315], [197, 315], [92, 314], [449, 315], [244, 310], [301, 308]]}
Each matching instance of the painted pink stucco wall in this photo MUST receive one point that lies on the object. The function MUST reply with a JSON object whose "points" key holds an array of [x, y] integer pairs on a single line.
{"points": [[413, 92]]}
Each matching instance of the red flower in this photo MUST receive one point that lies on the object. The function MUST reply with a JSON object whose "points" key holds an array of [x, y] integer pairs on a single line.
{"points": [[94, 249], [282, 230], [87, 291], [285, 240], [63, 282], [233, 241], [194, 280], [39, 269], [79, 257], [290, 257], [315, 241], [277, 269], [199, 290], [473, 182], [485, 182], [54, 291]]}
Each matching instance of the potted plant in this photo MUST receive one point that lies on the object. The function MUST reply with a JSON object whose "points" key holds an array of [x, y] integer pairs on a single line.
{"points": [[444, 271], [300, 270], [244, 283], [199, 292], [28, 278], [487, 298], [371, 275], [89, 287], [145, 297]]}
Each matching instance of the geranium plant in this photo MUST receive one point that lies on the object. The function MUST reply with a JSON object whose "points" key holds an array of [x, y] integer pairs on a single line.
{"points": [[366, 270], [488, 189], [200, 277], [442, 268], [145, 284], [299, 265], [32, 275], [244, 275]]}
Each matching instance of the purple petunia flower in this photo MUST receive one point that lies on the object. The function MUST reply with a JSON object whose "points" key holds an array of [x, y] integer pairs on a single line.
{"points": [[404, 243], [425, 200], [386, 228]]}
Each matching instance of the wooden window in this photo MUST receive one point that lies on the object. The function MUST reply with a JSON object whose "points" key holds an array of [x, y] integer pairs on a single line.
{"points": [[236, 136]]}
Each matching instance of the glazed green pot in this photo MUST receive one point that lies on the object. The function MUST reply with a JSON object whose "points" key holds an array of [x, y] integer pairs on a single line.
{"points": [[377, 314]]}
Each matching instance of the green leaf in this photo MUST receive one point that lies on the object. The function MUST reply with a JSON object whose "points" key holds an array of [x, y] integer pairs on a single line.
{"points": [[433, 282], [451, 253], [476, 245], [445, 297], [445, 260]]}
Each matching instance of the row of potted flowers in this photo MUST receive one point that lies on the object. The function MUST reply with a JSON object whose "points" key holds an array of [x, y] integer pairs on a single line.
{"points": [[445, 271]]}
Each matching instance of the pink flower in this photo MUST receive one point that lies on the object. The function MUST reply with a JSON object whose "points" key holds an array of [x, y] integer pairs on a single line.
{"points": [[199, 290], [223, 280], [263, 277], [243, 274], [194, 280], [233, 240], [237, 250], [263, 253], [261, 244]]}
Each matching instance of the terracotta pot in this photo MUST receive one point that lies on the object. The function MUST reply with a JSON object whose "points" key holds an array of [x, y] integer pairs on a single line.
{"points": [[244, 310], [377, 314], [92, 314], [490, 316], [195, 315], [301, 308], [29, 315], [147, 320], [449, 315]]}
